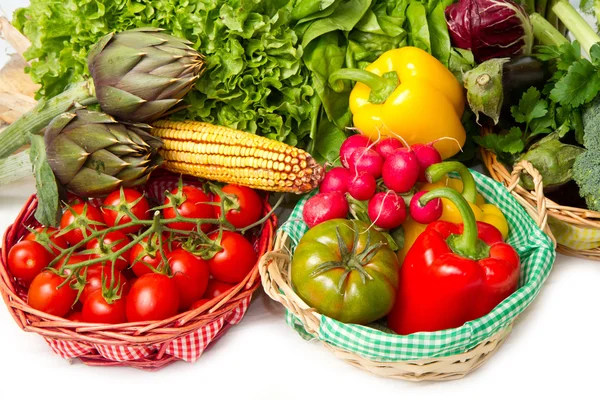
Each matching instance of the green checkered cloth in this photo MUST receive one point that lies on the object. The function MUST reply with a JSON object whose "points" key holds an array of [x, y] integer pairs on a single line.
{"points": [[537, 257]]}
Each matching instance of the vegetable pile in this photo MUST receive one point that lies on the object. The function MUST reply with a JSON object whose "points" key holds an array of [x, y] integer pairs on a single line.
{"points": [[123, 261]]}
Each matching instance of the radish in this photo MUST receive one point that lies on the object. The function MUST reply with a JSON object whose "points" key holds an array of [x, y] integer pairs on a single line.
{"points": [[365, 160], [352, 143], [387, 146], [323, 207], [427, 155], [432, 211], [362, 186], [335, 180], [401, 170], [387, 210]]}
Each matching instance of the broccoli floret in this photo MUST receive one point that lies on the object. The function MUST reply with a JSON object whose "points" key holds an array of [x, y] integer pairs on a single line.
{"points": [[586, 172], [591, 125]]}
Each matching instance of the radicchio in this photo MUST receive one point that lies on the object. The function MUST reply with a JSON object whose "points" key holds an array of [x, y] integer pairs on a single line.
{"points": [[490, 28]]}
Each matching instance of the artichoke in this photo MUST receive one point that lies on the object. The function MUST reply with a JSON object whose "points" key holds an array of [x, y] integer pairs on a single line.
{"points": [[92, 154], [142, 73]]}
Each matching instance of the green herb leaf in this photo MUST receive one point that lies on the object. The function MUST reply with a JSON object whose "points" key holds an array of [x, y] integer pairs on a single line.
{"points": [[511, 142], [48, 210], [530, 107], [579, 86]]}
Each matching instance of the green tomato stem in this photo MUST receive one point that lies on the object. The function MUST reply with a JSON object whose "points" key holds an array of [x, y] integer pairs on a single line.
{"points": [[436, 172]]}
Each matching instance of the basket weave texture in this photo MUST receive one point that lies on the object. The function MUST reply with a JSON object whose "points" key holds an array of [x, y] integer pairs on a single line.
{"points": [[147, 345], [576, 230], [441, 355]]}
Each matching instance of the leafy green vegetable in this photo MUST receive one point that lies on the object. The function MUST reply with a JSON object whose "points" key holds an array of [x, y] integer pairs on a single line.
{"points": [[438, 33], [256, 80], [48, 211], [419, 31]]}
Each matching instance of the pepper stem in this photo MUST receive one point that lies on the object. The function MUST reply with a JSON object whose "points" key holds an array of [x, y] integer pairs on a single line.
{"points": [[436, 172], [466, 244], [381, 87]]}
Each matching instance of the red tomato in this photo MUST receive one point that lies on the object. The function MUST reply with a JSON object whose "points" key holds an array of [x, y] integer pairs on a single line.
{"points": [[111, 243], [94, 277], [235, 260], [27, 258], [97, 310], [75, 316], [199, 303], [190, 274], [44, 294], [80, 216], [216, 288], [74, 199], [74, 259], [247, 206], [147, 252], [48, 237], [193, 206], [115, 210], [152, 297]]}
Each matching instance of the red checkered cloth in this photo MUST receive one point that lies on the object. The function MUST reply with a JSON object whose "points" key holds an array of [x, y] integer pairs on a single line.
{"points": [[188, 348]]}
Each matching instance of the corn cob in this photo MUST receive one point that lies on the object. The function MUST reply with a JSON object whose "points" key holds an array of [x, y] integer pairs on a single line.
{"points": [[232, 156]]}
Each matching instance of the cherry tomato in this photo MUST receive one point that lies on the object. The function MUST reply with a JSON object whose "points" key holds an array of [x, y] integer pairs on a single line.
{"points": [[190, 274], [74, 259], [97, 310], [216, 288], [199, 303], [235, 260], [94, 276], [111, 243], [115, 210], [75, 316], [74, 199], [194, 206], [247, 206], [79, 216], [44, 294], [147, 252], [152, 297], [48, 237], [27, 258]]}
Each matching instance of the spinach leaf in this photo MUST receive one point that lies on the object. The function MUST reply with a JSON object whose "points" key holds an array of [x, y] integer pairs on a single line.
{"points": [[418, 34]]}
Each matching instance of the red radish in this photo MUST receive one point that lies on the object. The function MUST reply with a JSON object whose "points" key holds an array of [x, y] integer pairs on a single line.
{"points": [[387, 146], [335, 180], [362, 186], [387, 210], [366, 160], [427, 155], [401, 170], [428, 213], [323, 207], [352, 143]]}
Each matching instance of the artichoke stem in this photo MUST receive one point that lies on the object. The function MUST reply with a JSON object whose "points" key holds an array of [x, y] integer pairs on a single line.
{"points": [[15, 167], [16, 134]]}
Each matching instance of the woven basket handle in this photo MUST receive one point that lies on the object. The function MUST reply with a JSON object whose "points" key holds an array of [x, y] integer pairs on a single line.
{"points": [[273, 268], [539, 215]]}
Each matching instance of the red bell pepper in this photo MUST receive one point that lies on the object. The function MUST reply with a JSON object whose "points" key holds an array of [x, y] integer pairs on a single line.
{"points": [[453, 273]]}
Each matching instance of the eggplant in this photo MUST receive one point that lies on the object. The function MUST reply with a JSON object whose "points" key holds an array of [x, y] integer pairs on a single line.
{"points": [[497, 84]]}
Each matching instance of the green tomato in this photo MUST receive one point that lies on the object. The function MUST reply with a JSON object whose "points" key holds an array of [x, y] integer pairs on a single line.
{"points": [[346, 271]]}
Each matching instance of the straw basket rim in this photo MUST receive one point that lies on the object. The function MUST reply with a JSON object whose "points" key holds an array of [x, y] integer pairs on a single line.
{"points": [[274, 275], [137, 334], [574, 216]]}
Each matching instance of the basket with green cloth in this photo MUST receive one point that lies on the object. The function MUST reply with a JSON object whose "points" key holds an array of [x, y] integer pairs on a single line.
{"points": [[440, 355]]}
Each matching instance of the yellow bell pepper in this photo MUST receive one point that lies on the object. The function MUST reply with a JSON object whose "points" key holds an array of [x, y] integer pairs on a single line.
{"points": [[408, 93], [484, 212]]}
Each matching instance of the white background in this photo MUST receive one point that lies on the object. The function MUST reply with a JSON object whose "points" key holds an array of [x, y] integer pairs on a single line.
{"points": [[553, 351]]}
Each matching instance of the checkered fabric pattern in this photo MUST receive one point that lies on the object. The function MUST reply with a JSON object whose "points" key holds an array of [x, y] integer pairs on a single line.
{"points": [[537, 256], [188, 348]]}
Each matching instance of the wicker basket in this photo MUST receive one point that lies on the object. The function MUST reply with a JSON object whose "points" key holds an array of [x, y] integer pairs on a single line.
{"points": [[577, 218], [145, 345], [274, 273]]}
